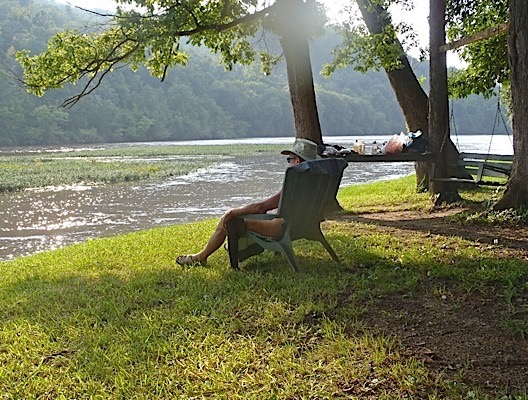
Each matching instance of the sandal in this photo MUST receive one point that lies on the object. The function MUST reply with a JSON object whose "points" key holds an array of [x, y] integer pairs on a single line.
{"points": [[187, 261]]}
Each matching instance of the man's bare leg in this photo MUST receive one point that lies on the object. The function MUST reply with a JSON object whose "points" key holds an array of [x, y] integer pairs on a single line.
{"points": [[213, 244], [268, 228]]}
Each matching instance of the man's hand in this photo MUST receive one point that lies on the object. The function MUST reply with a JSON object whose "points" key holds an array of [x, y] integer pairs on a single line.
{"points": [[227, 216]]}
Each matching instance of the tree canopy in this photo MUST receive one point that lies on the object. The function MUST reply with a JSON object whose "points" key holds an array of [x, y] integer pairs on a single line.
{"points": [[200, 101], [154, 34], [487, 59]]}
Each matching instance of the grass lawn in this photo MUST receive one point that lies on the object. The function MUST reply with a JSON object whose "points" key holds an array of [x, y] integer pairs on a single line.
{"points": [[112, 165], [115, 318]]}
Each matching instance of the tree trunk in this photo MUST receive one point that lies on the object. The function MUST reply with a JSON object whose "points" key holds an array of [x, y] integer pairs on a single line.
{"points": [[293, 30], [516, 194], [410, 95], [408, 91], [294, 42], [439, 104]]}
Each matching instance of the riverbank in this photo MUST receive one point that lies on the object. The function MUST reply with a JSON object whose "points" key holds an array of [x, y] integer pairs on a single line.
{"points": [[110, 164], [28, 167], [58, 196], [81, 194], [413, 312]]}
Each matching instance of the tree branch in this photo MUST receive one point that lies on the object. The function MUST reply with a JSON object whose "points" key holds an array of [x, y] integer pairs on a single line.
{"points": [[70, 102], [223, 27], [95, 67], [485, 34]]}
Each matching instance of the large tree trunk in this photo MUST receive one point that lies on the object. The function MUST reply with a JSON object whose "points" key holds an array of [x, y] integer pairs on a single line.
{"points": [[410, 95], [441, 191], [294, 42], [408, 91], [516, 194]]}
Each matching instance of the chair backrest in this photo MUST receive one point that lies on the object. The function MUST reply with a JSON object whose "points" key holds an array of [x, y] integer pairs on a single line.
{"points": [[308, 190]]}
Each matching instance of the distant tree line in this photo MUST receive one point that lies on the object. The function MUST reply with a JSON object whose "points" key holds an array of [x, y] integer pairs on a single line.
{"points": [[200, 101]]}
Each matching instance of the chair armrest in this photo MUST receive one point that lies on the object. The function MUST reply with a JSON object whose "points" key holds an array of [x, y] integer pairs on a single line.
{"points": [[264, 217]]}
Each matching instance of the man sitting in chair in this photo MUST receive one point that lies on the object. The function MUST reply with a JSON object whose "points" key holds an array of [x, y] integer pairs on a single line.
{"points": [[302, 150]]}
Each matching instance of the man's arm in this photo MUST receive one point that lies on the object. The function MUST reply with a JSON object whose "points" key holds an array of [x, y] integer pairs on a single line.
{"points": [[256, 208]]}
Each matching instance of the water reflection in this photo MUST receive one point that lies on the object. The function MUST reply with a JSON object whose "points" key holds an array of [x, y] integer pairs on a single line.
{"points": [[37, 220]]}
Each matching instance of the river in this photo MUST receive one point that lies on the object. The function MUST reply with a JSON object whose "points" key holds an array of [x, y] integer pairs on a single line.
{"points": [[42, 219]]}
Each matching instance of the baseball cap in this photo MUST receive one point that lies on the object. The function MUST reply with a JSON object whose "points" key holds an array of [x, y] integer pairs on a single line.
{"points": [[304, 148]]}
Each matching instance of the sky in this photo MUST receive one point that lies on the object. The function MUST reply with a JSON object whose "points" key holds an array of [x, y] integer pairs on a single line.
{"points": [[417, 18]]}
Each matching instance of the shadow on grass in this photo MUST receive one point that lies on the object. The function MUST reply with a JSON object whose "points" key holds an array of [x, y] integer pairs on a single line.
{"points": [[139, 317], [508, 236], [454, 303]]}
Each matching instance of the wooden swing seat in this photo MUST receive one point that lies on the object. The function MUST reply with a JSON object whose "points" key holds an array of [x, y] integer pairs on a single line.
{"points": [[399, 157], [479, 166]]}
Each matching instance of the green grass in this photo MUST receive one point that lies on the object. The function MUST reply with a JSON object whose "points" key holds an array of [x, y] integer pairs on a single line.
{"points": [[36, 173], [116, 318], [113, 165], [178, 150], [384, 195]]}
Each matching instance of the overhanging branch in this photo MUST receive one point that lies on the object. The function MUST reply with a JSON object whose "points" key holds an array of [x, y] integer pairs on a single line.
{"points": [[223, 27], [485, 34], [99, 73], [95, 79]]}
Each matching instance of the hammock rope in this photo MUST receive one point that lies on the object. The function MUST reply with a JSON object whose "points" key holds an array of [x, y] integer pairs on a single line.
{"points": [[499, 118]]}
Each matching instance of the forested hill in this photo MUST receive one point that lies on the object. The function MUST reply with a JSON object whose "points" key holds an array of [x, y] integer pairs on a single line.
{"points": [[199, 101]]}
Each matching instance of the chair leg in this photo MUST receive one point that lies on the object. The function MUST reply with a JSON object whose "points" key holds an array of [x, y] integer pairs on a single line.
{"points": [[235, 229], [328, 248], [252, 250], [290, 255]]}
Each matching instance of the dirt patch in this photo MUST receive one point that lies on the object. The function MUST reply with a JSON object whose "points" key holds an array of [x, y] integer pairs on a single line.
{"points": [[504, 239], [459, 335], [453, 332]]}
